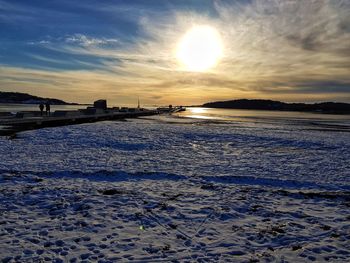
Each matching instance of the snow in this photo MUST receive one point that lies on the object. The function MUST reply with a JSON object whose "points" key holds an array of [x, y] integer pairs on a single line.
{"points": [[176, 189]]}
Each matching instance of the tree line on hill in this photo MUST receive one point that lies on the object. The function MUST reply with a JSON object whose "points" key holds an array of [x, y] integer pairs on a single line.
{"points": [[24, 98], [326, 107]]}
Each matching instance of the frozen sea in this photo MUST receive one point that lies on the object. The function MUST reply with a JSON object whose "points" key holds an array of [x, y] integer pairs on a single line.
{"points": [[205, 185]]}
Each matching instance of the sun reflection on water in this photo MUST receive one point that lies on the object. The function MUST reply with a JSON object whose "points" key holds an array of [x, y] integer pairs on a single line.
{"points": [[198, 113]]}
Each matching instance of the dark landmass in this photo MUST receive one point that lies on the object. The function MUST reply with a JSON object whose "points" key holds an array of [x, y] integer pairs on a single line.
{"points": [[24, 98], [324, 107]]}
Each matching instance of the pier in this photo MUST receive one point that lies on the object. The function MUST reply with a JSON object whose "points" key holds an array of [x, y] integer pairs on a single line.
{"points": [[23, 121]]}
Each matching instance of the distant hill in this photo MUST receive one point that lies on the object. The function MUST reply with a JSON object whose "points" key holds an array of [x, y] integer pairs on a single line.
{"points": [[326, 107], [24, 98]]}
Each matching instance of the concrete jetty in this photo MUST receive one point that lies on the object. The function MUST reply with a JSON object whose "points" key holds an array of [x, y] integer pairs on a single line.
{"points": [[10, 124]]}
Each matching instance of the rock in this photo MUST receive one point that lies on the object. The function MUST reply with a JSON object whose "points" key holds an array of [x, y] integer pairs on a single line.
{"points": [[236, 253], [173, 226], [335, 235], [325, 227], [112, 192], [296, 247]]}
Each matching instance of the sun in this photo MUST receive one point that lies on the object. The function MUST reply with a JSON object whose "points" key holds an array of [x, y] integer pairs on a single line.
{"points": [[199, 49]]}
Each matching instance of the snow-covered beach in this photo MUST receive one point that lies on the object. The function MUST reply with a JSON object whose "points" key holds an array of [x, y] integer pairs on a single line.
{"points": [[178, 189]]}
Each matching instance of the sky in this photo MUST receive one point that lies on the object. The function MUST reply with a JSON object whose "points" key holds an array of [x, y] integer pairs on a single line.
{"points": [[119, 50]]}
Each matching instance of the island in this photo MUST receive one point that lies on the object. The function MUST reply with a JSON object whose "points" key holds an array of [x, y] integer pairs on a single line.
{"points": [[258, 104], [24, 98]]}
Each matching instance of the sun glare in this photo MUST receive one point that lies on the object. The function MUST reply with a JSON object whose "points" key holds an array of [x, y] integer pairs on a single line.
{"points": [[199, 49]]}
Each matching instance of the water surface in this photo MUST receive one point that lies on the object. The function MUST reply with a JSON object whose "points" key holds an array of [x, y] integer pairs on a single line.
{"points": [[290, 118]]}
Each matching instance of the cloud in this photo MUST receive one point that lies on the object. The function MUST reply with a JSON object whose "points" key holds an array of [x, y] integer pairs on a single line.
{"points": [[86, 41], [272, 49], [40, 42], [76, 40]]}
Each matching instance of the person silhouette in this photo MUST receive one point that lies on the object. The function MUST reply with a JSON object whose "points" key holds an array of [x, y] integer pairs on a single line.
{"points": [[41, 107], [47, 108]]}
